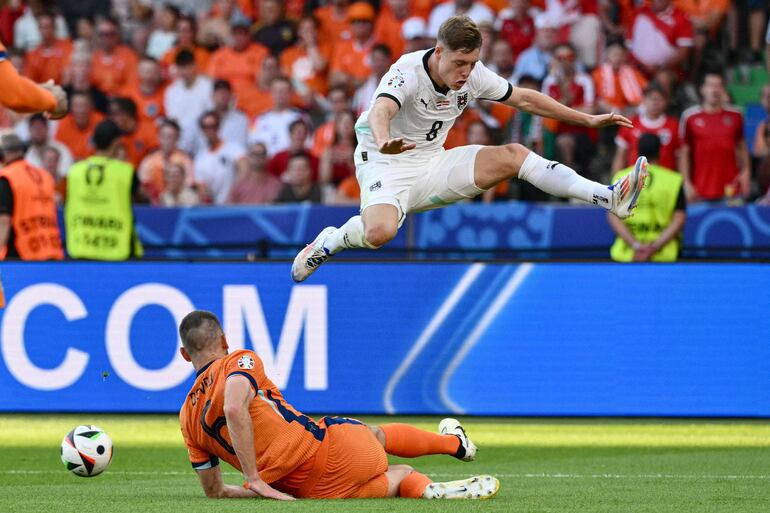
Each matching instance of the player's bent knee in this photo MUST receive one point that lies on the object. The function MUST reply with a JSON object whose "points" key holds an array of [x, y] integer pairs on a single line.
{"points": [[396, 474], [513, 158], [380, 234], [378, 433]]}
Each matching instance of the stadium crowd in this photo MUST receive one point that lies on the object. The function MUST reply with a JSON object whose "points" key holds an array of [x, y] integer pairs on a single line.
{"points": [[255, 101]]}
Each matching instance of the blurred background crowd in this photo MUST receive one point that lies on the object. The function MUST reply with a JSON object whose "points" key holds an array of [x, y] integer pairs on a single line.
{"points": [[255, 101]]}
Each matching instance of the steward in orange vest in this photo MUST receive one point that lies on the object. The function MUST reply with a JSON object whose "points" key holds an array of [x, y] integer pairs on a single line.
{"points": [[28, 226]]}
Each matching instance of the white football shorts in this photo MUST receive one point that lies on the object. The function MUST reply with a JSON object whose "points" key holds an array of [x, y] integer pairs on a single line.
{"points": [[413, 184]]}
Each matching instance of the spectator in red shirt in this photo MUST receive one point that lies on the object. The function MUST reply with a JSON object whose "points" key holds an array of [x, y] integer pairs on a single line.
{"points": [[516, 26], [714, 158], [255, 185], [574, 89], [661, 39], [298, 138], [652, 119]]}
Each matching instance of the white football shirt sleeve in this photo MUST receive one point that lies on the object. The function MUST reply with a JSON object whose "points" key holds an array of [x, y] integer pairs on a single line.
{"points": [[397, 85], [488, 85]]}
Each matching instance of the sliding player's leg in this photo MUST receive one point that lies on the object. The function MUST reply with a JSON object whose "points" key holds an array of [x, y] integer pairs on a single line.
{"points": [[411, 442], [495, 164]]}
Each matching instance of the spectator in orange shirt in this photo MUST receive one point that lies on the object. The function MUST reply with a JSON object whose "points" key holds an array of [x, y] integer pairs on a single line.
{"points": [[149, 92], [387, 28], [152, 168], [139, 136], [334, 21], [186, 32], [114, 64], [619, 85], [274, 31], [20, 94], [239, 63], [255, 101], [350, 61], [337, 161], [306, 63], [338, 102], [48, 61], [75, 130]]}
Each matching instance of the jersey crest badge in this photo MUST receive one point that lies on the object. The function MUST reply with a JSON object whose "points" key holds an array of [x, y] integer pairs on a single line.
{"points": [[246, 362], [462, 100], [396, 81]]}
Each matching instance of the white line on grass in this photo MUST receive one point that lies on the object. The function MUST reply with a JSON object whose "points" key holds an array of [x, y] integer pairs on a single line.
{"points": [[513, 476]]}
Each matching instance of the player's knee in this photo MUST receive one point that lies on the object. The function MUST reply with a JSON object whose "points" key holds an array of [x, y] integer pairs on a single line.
{"points": [[380, 234], [378, 433], [514, 155]]}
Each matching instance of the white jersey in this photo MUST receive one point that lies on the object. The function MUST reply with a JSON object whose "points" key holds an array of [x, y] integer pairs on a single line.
{"points": [[427, 111]]}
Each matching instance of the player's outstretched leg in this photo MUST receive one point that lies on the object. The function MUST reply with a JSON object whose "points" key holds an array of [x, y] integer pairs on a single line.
{"points": [[404, 481], [497, 163], [381, 227], [476, 487], [411, 442]]}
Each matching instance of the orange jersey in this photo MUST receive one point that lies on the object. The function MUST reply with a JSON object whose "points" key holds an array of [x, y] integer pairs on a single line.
{"points": [[284, 438], [296, 64], [387, 30], [20, 93], [140, 142], [332, 28], [149, 107], [76, 139], [113, 73], [43, 64], [238, 68], [351, 58]]}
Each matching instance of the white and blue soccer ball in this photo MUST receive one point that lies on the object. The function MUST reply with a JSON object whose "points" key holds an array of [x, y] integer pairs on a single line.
{"points": [[86, 451]]}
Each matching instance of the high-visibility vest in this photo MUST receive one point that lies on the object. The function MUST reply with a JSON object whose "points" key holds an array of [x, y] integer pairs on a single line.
{"points": [[654, 212], [98, 217], [34, 223]]}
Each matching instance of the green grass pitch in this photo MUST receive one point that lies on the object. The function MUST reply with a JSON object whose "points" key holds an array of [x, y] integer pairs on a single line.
{"points": [[544, 465]]}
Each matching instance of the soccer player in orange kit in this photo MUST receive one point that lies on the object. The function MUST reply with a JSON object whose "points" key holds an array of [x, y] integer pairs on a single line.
{"points": [[22, 95], [235, 413]]}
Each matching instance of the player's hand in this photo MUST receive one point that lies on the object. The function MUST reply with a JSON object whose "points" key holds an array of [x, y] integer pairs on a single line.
{"points": [[61, 100], [265, 490], [396, 146], [613, 118]]}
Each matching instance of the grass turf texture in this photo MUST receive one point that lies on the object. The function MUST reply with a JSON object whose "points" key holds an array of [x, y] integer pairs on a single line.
{"points": [[544, 465]]}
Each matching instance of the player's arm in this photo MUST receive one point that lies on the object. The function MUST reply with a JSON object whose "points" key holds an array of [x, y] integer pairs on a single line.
{"points": [[23, 95], [384, 109], [215, 487], [534, 102], [238, 395]]}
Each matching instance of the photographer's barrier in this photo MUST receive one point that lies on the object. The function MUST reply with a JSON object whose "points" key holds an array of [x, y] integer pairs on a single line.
{"points": [[463, 231], [492, 339]]}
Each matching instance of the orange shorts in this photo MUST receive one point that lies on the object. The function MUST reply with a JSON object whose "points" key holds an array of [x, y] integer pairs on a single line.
{"points": [[350, 463]]}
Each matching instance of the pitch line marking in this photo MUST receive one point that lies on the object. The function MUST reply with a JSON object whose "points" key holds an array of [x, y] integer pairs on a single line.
{"points": [[438, 319], [556, 475]]}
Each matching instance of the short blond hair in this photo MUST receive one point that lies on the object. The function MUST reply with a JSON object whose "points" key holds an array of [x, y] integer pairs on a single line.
{"points": [[459, 33]]}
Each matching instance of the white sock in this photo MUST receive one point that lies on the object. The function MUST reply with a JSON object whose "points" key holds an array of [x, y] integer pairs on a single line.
{"points": [[557, 179], [348, 236]]}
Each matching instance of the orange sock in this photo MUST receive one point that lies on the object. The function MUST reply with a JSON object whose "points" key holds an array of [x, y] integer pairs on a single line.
{"points": [[409, 442], [413, 485]]}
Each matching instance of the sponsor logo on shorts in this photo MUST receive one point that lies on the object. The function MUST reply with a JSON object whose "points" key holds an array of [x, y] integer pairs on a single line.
{"points": [[246, 362], [364, 156], [376, 186], [598, 198], [462, 100]]}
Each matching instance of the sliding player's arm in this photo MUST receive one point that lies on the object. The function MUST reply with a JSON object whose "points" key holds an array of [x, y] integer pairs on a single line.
{"points": [[238, 395], [539, 104], [215, 488], [22, 95]]}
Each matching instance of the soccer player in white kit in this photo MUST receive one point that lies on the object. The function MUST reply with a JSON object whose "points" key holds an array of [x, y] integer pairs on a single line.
{"points": [[401, 164]]}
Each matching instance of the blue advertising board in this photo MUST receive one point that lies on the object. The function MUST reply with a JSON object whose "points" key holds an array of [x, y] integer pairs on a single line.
{"points": [[492, 339]]}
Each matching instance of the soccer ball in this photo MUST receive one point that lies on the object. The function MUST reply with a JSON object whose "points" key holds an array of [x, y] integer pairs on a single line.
{"points": [[86, 451]]}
